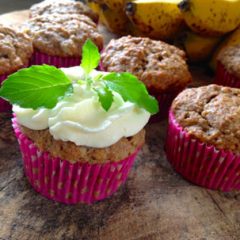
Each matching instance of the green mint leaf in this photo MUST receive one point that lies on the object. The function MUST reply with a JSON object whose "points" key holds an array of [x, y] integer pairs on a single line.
{"points": [[90, 56], [132, 90], [35, 87], [105, 97]]}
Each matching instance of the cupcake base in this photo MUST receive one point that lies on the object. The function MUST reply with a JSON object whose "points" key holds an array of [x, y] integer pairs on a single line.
{"points": [[69, 183], [60, 62], [224, 78], [200, 163]]}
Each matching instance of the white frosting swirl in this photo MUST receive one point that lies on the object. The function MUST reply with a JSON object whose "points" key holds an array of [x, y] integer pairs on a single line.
{"points": [[81, 119]]}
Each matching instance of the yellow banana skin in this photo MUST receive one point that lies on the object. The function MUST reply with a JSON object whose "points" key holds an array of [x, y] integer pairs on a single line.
{"points": [[114, 19], [158, 19], [199, 48], [232, 40], [211, 17]]}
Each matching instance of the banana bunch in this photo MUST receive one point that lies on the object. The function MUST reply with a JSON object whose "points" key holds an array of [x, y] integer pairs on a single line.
{"points": [[111, 14], [199, 48], [211, 17], [231, 40], [158, 19]]}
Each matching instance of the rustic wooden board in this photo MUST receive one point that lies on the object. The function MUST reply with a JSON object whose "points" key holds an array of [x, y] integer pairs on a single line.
{"points": [[155, 203]]}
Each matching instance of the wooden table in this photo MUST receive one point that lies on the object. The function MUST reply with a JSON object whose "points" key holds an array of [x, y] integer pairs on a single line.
{"points": [[155, 202]]}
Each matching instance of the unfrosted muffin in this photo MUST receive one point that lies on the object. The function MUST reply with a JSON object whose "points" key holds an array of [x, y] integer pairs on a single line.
{"points": [[50, 7], [58, 39], [228, 67], [203, 142], [15, 53], [160, 66]]}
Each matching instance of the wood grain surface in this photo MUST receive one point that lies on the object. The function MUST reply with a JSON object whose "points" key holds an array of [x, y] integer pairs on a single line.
{"points": [[155, 203]]}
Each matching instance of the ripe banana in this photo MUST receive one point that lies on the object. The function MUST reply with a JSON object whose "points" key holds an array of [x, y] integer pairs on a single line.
{"points": [[199, 48], [114, 19], [232, 40], [211, 17], [94, 6], [159, 19]]}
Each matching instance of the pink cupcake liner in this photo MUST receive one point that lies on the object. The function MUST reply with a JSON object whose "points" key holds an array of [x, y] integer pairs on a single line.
{"points": [[41, 58], [164, 100], [200, 163], [69, 183], [224, 78], [4, 105]]}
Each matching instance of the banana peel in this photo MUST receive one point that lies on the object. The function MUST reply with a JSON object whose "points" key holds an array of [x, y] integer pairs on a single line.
{"points": [[211, 17], [231, 40], [114, 19], [199, 48], [158, 19]]}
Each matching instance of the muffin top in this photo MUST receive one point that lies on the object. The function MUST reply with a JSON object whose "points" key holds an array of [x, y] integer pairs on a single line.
{"points": [[230, 58], [15, 49], [211, 114], [160, 66], [62, 35], [62, 7]]}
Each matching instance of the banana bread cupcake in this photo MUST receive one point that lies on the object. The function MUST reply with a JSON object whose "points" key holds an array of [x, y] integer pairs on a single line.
{"points": [[228, 67], [50, 7], [58, 39], [203, 141], [15, 52], [75, 142], [160, 66]]}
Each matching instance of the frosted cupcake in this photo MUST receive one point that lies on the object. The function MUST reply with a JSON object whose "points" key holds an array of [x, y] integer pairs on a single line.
{"points": [[58, 39], [79, 138], [160, 66], [15, 52], [203, 141], [228, 67]]}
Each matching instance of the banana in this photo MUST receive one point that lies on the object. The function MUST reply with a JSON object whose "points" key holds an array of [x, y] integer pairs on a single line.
{"points": [[211, 17], [113, 4], [114, 19], [94, 6], [199, 48], [158, 19], [232, 40]]}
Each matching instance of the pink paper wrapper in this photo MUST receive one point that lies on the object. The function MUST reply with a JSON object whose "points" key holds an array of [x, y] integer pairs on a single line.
{"points": [[164, 101], [68, 183], [200, 163], [4, 105], [224, 78], [41, 58]]}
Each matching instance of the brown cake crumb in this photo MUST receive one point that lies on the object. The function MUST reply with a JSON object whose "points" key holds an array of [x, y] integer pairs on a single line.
{"points": [[160, 66], [211, 114], [230, 58], [15, 50], [73, 153], [62, 7], [62, 35]]}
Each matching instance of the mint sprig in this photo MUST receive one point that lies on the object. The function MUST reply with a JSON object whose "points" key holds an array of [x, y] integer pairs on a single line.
{"points": [[132, 90], [36, 86], [90, 56], [44, 86]]}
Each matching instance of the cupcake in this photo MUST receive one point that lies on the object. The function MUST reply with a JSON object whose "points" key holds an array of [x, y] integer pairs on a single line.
{"points": [[228, 67], [62, 7], [160, 66], [58, 39], [15, 52], [80, 137], [203, 140]]}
